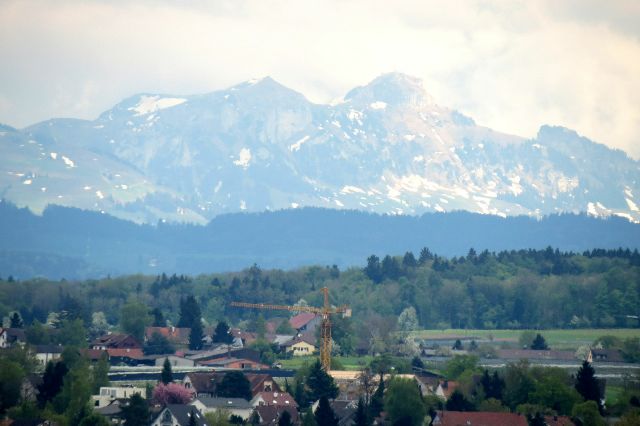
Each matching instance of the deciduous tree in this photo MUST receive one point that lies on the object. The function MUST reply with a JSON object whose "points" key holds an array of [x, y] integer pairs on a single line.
{"points": [[403, 403]]}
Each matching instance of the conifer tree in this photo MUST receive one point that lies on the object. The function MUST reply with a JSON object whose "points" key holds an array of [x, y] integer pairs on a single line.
{"points": [[361, 418], [16, 321], [377, 400], [285, 419], [195, 336], [167, 374], [321, 383], [221, 333], [539, 344], [587, 385], [137, 412], [325, 416]]}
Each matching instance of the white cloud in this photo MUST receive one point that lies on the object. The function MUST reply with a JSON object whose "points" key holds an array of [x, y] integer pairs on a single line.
{"points": [[510, 65]]}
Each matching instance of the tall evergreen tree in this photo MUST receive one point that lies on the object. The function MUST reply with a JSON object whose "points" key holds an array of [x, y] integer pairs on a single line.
{"points": [[235, 384], [166, 376], [52, 381], [285, 419], [195, 336], [377, 400], [101, 373], [458, 402], [16, 321], [221, 333], [325, 416], [425, 255], [189, 312], [409, 260], [361, 418], [158, 318], [321, 383], [539, 344], [137, 412], [587, 384], [308, 419], [373, 269]]}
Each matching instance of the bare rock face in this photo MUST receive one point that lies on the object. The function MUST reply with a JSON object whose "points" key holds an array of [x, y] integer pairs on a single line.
{"points": [[386, 148]]}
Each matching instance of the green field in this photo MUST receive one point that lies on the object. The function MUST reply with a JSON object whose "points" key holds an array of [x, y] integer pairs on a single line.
{"points": [[556, 339], [347, 362]]}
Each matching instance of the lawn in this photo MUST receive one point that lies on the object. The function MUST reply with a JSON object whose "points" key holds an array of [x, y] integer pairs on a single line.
{"points": [[348, 362], [556, 339]]}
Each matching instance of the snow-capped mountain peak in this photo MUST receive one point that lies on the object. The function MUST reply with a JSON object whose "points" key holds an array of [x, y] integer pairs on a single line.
{"points": [[387, 148]]}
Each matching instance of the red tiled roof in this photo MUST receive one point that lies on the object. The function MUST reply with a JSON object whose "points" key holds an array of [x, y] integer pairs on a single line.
{"points": [[301, 319], [128, 352], [257, 382], [93, 354], [448, 386], [179, 335], [277, 398], [558, 421], [204, 382], [116, 341], [270, 414], [459, 418]]}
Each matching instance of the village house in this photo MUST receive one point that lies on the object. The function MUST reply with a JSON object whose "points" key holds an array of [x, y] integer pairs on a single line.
{"points": [[459, 418], [606, 355], [270, 414], [300, 346], [178, 415], [11, 336], [245, 337], [445, 388], [205, 383], [108, 394], [115, 341], [174, 360], [234, 363], [46, 353], [344, 409], [202, 384], [235, 406], [176, 335], [283, 399], [113, 411], [305, 322], [262, 383]]}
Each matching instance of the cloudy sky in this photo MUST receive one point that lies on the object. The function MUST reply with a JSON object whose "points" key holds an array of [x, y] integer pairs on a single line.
{"points": [[512, 65]]}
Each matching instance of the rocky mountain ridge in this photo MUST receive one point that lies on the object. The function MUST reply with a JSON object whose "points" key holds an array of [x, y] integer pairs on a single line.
{"points": [[387, 147]]}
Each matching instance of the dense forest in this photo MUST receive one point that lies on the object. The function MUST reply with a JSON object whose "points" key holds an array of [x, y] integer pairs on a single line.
{"points": [[76, 244], [510, 289]]}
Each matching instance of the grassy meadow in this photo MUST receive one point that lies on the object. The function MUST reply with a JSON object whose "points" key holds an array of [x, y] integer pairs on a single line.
{"points": [[556, 338]]}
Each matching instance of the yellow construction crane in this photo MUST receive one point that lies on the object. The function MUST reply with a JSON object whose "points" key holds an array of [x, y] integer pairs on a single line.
{"points": [[325, 326]]}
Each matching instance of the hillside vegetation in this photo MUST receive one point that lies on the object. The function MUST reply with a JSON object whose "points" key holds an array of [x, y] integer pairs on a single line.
{"points": [[510, 290]]}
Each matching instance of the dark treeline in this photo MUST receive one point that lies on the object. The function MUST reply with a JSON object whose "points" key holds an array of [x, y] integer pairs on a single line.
{"points": [[71, 243], [509, 289]]}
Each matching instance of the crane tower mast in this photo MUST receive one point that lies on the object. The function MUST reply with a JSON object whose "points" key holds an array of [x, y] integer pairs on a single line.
{"points": [[325, 325]]}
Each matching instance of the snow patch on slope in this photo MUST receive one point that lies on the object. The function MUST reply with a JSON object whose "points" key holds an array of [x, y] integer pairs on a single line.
{"points": [[296, 146], [149, 104], [244, 158]]}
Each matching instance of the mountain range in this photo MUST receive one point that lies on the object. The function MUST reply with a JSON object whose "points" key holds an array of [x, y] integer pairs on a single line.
{"points": [[386, 147]]}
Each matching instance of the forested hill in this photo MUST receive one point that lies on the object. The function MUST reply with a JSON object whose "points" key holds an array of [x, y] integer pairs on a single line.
{"points": [[72, 243], [510, 289]]}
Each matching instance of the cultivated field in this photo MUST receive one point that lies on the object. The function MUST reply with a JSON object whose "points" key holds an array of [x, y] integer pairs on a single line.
{"points": [[556, 339]]}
